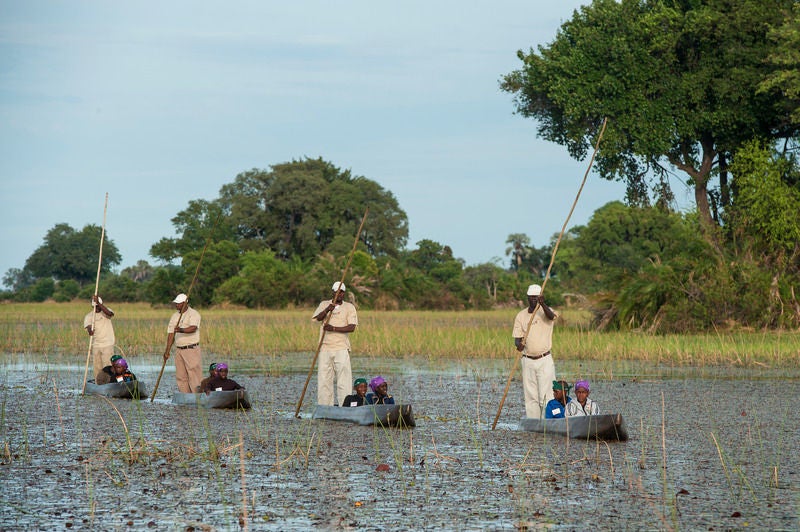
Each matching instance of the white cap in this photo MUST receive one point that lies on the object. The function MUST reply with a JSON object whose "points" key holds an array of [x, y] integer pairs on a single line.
{"points": [[534, 290], [336, 286], [180, 298]]}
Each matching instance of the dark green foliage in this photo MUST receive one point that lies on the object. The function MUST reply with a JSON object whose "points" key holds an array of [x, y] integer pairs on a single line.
{"points": [[617, 243], [200, 221], [70, 254], [263, 281], [66, 290], [117, 288], [677, 80], [167, 282], [219, 263], [41, 290], [301, 208]]}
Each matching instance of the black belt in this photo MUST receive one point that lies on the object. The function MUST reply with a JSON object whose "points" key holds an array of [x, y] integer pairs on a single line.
{"points": [[537, 357], [187, 346]]}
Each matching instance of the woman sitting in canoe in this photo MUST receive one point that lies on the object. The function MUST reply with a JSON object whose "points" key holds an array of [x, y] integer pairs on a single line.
{"points": [[380, 392], [221, 382], [582, 405], [557, 406], [359, 398], [116, 372], [212, 372]]}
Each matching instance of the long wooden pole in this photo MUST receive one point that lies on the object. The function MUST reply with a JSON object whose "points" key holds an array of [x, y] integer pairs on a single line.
{"points": [[165, 356], [96, 286], [328, 317], [547, 275]]}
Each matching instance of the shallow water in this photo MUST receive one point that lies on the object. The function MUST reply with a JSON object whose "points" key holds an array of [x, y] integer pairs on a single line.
{"points": [[709, 448]]}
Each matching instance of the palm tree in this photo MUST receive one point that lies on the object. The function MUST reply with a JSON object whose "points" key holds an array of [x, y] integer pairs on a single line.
{"points": [[519, 249]]}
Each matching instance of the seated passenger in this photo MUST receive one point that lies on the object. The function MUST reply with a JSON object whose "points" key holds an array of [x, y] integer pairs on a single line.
{"points": [[556, 407], [212, 372], [582, 405], [221, 382], [107, 374], [379, 394], [359, 398], [121, 373]]}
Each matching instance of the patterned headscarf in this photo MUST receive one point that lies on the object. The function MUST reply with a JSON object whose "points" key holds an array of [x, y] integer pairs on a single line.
{"points": [[221, 366]]}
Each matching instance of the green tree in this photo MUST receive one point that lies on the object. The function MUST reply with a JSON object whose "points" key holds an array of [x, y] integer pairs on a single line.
{"points": [[140, 273], [70, 254], [767, 206], [16, 279], [616, 244], [166, 283], [260, 282], [200, 222], [40, 291], [677, 80], [301, 207], [66, 290], [785, 57], [519, 247], [219, 263]]}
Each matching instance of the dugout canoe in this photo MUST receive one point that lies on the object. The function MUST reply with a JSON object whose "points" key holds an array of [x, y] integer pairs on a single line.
{"points": [[380, 415], [221, 399], [601, 427], [119, 390]]}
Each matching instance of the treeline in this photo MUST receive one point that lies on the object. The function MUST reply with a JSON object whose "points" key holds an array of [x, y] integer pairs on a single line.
{"points": [[273, 239], [636, 267]]}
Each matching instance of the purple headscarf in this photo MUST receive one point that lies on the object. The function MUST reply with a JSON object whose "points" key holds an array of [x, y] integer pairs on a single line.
{"points": [[121, 362], [582, 384], [377, 381], [221, 365]]}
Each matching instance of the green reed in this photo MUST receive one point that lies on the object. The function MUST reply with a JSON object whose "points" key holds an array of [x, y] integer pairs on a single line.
{"points": [[435, 335]]}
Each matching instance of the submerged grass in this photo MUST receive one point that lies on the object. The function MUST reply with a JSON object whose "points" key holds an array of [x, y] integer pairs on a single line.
{"points": [[266, 335]]}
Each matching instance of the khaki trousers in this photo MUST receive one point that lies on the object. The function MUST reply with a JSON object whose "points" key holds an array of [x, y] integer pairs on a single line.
{"points": [[101, 357], [537, 383], [188, 369], [333, 364]]}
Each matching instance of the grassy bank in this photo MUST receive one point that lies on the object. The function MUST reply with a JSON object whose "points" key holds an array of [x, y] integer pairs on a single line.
{"points": [[57, 327]]}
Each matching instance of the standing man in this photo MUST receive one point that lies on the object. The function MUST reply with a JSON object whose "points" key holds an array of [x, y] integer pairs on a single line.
{"points": [[533, 335], [334, 355], [184, 331], [102, 334]]}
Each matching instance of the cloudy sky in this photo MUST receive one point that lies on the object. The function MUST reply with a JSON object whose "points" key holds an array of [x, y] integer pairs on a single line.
{"points": [[159, 103]]}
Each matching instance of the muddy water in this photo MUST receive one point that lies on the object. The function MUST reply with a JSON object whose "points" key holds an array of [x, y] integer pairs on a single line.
{"points": [[709, 450]]}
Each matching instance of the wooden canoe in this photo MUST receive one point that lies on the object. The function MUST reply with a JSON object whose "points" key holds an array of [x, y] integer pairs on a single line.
{"points": [[220, 399], [381, 415], [119, 390], [601, 427]]}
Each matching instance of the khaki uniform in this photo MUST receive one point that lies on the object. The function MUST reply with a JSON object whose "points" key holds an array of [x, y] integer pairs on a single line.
{"points": [[103, 340], [537, 375], [188, 359], [334, 355]]}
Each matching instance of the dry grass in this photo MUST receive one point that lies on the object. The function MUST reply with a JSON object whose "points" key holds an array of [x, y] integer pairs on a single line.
{"points": [[56, 327]]}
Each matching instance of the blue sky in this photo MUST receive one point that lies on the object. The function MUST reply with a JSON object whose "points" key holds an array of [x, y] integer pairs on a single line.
{"points": [[159, 103]]}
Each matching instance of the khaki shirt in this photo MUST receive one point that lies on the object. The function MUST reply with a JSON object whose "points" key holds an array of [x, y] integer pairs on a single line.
{"points": [[341, 316], [189, 318], [539, 340], [103, 329]]}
